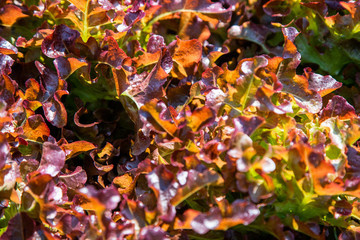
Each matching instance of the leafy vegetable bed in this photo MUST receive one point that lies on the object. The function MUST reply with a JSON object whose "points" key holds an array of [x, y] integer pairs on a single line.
{"points": [[186, 119]]}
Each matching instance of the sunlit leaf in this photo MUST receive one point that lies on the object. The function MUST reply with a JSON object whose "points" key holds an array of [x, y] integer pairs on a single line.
{"points": [[191, 182], [67, 66], [338, 107], [75, 148], [36, 129], [151, 111], [10, 14], [52, 159], [200, 118], [186, 55]]}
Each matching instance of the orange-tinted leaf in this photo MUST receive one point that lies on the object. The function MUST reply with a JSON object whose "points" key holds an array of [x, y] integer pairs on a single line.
{"points": [[33, 90], [80, 4], [77, 116], [107, 152], [242, 82], [98, 16], [151, 111], [10, 14], [205, 9], [125, 183], [121, 80], [75, 148], [36, 129], [98, 201], [36, 40], [320, 169], [263, 94], [186, 55], [192, 27], [67, 66], [319, 7], [199, 118]]}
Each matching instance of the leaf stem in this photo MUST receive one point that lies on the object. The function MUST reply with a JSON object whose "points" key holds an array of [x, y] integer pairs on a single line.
{"points": [[247, 93], [85, 33]]}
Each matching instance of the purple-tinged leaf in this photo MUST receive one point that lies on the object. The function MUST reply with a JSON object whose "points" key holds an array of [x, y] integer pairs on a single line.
{"points": [[192, 181], [141, 143], [67, 66], [342, 208], [213, 11], [264, 94], [21, 226], [6, 47], [247, 125], [152, 233], [162, 182], [130, 19], [108, 197], [277, 8], [353, 162], [76, 179], [319, 7], [114, 56], [215, 99], [4, 151], [338, 107], [52, 159], [55, 111], [226, 216], [145, 89], [49, 78], [252, 32], [60, 42], [155, 43], [71, 225], [322, 84], [5, 64]]}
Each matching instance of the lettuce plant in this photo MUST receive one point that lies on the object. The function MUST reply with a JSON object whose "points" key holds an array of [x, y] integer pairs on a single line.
{"points": [[179, 119]]}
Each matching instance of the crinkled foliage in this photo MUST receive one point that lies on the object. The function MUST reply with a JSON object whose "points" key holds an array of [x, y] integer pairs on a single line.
{"points": [[179, 119]]}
